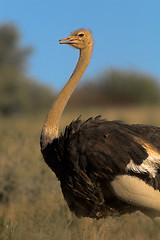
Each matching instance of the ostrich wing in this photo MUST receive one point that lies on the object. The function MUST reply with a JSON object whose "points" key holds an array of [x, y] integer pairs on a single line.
{"points": [[92, 157]]}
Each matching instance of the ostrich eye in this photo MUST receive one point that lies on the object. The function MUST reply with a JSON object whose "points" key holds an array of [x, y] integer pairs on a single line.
{"points": [[81, 34]]}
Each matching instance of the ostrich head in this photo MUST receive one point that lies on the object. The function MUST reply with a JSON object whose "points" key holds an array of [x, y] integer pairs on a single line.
{"points": [[80, 39]]}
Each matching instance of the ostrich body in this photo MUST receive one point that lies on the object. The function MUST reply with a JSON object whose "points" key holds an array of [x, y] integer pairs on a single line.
{"points": [[104, 167]]}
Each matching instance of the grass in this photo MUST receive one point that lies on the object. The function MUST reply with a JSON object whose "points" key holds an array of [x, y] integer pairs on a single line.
{"points": [[31, 203]]}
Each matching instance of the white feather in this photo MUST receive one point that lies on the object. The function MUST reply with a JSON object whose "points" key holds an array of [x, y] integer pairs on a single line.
{"points": [[150, 165]]}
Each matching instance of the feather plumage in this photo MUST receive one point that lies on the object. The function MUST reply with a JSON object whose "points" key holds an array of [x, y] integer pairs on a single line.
{"points": [[89, 155]]}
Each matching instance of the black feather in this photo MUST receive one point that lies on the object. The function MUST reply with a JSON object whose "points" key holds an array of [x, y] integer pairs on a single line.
{"points": [[90, 154]]}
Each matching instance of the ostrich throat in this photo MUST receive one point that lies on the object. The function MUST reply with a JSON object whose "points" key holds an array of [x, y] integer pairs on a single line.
{"points": [[51, 124]]}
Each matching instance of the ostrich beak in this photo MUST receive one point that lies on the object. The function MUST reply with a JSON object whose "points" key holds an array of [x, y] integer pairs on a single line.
{"points": [[67, 40]]}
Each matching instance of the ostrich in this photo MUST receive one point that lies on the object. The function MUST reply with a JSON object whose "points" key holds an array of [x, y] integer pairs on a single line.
{"points": [[105, 168]]}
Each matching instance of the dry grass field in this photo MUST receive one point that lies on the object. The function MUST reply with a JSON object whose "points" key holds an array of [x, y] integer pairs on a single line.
{"points": [[31, 203]]}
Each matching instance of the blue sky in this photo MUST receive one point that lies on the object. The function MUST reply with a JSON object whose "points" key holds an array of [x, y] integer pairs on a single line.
{"points": [[126, 35]]}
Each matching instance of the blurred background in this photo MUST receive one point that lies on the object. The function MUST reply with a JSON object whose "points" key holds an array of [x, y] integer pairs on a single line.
{"points": [[121, 82]]}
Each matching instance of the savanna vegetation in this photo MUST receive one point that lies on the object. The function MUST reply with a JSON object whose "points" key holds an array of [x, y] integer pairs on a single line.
{"points": [[31, 203], [19, 92]]}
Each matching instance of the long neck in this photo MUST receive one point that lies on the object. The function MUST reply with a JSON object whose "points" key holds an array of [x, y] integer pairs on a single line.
{"points": [[51, 124]]}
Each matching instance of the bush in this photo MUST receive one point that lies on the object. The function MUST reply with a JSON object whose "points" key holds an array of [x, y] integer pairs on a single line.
{"points": [[118, 88], [126, 87], [19, 94]]}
